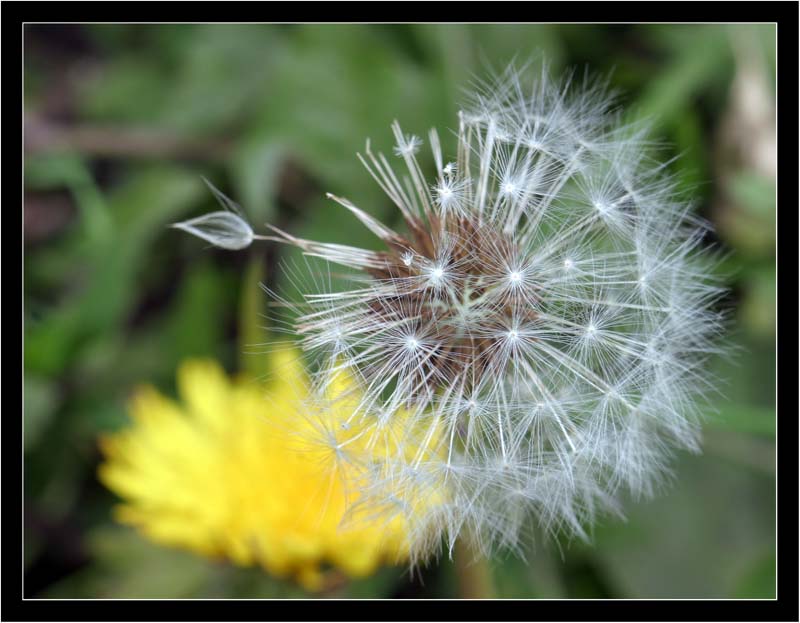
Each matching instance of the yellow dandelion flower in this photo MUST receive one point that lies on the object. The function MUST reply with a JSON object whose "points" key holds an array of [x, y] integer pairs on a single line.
{"points": [[221, 473]]}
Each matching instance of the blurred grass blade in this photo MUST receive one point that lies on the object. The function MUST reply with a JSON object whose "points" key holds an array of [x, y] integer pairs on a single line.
{"points": [[748, 419], [141, 209], [253, 347]]}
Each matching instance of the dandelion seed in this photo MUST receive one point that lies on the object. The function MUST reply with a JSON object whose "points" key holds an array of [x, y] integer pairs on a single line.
{"points": [[226, 229], [222, 229]]}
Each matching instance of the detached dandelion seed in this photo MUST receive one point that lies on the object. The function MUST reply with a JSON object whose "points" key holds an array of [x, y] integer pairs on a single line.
{"points": [[543, 321], [226, 229]]}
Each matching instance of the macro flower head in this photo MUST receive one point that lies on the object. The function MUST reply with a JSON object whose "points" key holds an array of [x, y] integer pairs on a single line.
{"points": [[226, 473], [535, 334]]}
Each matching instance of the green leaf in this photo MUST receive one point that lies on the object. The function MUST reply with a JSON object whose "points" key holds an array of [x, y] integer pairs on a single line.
{"points": [[255, 169], [141, 211], [702, 58], [127, 566], [253, 332], [757, 195], [131, 88], [692, 167], [759, 307], [195, 324], [537, 576], [759, 582], [695, 538], [40, 400], [747, 219], [54, 171], [380, 584], [223, 75], [748, 419]]}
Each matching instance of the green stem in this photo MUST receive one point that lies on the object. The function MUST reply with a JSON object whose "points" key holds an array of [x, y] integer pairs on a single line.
{"points": [[473, 573], [251, 317]]}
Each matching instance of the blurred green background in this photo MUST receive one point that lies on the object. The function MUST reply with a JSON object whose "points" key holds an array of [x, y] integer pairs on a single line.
{"points": [[121, 122]]}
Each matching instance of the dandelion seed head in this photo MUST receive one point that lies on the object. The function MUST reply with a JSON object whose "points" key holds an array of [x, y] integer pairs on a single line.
{"points": [[542, 318]]}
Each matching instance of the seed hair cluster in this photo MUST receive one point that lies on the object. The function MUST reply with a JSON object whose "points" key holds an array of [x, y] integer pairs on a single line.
{"points": [[541, 321]]}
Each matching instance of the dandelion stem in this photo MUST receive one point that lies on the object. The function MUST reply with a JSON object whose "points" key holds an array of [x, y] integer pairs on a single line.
{"points": [[251, 314], [473, 573]]}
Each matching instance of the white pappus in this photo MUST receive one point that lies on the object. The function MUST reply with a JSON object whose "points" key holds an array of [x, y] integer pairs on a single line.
{"points": [[542, 320]]}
